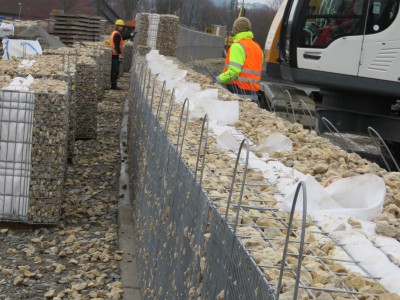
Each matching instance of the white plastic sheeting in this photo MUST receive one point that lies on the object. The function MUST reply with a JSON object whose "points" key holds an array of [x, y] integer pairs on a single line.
{"points": [[16, 122], [20, 48]]}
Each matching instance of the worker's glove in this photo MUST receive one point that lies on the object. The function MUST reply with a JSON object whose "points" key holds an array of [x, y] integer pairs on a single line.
{"points": [[120, 57], [210, 80]]}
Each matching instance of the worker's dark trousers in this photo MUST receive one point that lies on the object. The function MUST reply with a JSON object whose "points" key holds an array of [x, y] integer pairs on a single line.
{"points": [[114, 71]]}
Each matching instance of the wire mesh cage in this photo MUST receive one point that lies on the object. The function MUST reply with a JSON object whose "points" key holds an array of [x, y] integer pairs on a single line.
{"points": [[33, 155], [87, 87], [159, 32], [61, 65], [86, 100], [101, 54]]}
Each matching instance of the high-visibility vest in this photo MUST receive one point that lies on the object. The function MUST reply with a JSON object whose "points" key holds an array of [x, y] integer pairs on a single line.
{"points": [[250, 76], [121, 45]]}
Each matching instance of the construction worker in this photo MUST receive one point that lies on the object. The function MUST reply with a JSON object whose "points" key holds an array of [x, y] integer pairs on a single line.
{"points": [[244, 60], [116, 43]]}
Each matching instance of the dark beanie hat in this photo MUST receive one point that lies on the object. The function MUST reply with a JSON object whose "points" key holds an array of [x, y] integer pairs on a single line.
{"points": [[241, 24]]}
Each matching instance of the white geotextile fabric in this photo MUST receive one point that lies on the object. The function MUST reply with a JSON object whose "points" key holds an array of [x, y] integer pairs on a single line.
{"points": [[275, 142], [359, 196], [200, 102], [16, 116], [377, 255]]}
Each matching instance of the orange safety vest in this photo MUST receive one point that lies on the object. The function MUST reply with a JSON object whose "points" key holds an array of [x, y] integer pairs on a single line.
{"points": [[250, 76], [121, 45]]}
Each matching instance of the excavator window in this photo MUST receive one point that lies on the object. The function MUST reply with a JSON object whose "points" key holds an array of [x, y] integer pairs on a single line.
{"points": [[381, 14], [328, 20]]}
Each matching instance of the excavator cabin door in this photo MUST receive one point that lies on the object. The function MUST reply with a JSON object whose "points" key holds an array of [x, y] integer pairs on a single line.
{"points": [[329, 35]]}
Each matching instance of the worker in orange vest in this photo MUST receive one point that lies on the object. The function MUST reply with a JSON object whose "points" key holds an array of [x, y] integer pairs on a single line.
{"points": [[116, 43], [244, 60]]}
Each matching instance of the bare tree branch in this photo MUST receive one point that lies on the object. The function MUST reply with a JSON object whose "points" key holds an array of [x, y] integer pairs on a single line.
{"points": [[129, 7], [67, 4]]}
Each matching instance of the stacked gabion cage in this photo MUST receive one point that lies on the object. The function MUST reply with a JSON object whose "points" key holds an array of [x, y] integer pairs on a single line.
{"points": [[33, 151], [57, 64], [159, 32]]}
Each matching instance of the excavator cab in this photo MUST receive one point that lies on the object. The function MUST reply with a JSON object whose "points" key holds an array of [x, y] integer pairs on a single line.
{"points": [[356, 38], [350, 51]]}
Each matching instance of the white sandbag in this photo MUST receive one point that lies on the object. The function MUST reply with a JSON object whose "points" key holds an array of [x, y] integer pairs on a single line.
{"points": [[20, 48], [358, 196], [275, 142]]}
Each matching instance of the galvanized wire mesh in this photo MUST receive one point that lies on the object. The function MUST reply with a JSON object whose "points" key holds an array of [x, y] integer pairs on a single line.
{"points": [[230, 266], [173, 211]]}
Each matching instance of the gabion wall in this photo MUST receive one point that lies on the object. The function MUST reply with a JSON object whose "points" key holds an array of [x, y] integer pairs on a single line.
{"points": [[173, 215]]}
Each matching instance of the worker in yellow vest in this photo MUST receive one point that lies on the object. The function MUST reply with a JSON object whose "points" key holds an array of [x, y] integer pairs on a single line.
{"points": [[116, 43], [244, 60]]}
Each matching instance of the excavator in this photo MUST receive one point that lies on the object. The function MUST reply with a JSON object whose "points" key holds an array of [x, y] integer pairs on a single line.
{"points": [[349, 52]]}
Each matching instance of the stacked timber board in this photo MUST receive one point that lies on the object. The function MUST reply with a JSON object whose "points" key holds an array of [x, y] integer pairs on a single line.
{"points": [[72, 28]]}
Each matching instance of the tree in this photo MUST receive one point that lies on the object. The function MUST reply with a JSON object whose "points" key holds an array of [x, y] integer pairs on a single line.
{"points": [[193, 13], [67, 4], [261, 21], [129, 7], [167, 6]]}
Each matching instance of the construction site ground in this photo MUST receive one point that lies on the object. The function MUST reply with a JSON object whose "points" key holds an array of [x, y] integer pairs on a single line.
{"points": [[79, 258]]}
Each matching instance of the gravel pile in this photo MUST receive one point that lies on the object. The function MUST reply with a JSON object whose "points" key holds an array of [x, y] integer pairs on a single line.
{"points": [[46, 40], [78, 258]]}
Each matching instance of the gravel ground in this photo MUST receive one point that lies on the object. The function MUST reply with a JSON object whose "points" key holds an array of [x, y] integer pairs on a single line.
{"points": [[79, 257]]}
